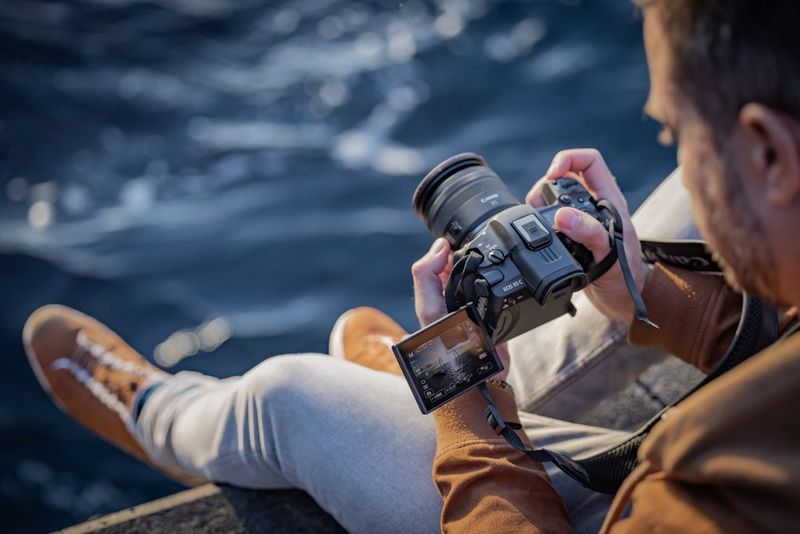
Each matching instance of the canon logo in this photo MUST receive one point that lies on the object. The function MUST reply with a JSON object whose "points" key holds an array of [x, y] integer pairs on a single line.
{"points": [[675, 259]]}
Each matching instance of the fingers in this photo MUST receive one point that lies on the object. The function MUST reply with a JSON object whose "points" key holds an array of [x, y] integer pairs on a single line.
{"points": [[534, 197], [584, 229], [445, 274], [588, 166], [427, 274]]}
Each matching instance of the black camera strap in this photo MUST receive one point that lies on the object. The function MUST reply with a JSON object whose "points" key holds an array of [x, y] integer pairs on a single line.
{"points": [[508, 431], [617, 240], [605, 471], [687, 254], [464, 266]]}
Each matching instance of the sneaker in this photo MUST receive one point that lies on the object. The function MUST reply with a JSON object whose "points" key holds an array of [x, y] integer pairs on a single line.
{"points": [[365, 336], [92, 375]]}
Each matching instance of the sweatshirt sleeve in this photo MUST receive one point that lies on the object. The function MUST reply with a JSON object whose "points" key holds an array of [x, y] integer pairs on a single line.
{"points": [[697, 315], [487, 485]]}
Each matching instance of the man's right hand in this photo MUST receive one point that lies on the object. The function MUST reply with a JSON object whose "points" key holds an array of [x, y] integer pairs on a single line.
{"points": [[608, 293]]}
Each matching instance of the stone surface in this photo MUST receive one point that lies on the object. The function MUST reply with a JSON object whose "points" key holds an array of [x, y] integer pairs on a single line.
{"points": [[630, 408], [210, 508]]}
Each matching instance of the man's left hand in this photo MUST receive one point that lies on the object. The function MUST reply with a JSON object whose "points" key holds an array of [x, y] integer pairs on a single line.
{"points": [[430, 275]]}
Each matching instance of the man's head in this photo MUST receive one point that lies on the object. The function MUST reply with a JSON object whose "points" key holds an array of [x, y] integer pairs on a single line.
{"points": [[725, 82]]}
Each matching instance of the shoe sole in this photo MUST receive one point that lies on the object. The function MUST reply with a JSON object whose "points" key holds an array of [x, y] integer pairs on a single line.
{"points": [[27, 333]]}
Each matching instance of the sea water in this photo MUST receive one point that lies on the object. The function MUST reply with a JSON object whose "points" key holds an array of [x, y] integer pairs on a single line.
{"points": [[218, 180]]}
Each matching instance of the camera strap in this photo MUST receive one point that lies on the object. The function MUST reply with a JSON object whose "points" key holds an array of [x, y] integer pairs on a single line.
{"points": [[617, 240], [508, 431], [464, 266], [687, 254], [606, 470]]}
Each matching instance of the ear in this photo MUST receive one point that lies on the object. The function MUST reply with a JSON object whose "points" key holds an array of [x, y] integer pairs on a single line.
{"points": [[774, 151]]}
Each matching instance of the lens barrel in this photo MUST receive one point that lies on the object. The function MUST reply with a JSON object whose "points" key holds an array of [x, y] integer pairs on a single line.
{"points": [[459, 194]]}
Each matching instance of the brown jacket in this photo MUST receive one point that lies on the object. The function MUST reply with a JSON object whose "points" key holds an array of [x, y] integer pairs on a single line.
{"points": [[724, 460]]}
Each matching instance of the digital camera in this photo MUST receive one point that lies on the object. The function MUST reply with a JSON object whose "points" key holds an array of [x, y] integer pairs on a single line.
{"points": [[512, 271], [508, 259]]}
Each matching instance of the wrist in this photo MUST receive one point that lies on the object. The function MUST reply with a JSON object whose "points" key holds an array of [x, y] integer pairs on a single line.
{"points": [[464, 419], [646, 270]]}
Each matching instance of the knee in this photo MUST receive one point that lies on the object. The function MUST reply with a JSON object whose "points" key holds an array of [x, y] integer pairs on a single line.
{"points": [[281, 378]]}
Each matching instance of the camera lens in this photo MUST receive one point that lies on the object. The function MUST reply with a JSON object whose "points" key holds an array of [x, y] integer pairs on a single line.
{"points": [[458, 195]]}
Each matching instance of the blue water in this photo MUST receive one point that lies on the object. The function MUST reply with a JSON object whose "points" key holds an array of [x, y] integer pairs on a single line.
{"points": [[218, 180]]}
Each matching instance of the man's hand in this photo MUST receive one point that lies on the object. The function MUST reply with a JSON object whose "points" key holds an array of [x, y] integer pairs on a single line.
{"points": [[608, 293], [430, 274]]}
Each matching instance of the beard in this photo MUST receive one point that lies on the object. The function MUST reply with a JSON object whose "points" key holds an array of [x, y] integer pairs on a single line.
{"points": [[735, 234]]}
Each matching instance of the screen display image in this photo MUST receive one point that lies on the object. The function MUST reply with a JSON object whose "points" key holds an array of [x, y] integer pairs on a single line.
{"points": [[447, 358]]}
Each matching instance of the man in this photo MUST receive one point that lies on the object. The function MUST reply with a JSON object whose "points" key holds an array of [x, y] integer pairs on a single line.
{"points": [[353, 438], [725, 83]]}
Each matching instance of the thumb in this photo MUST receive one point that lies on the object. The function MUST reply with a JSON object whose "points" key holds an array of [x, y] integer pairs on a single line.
{"points": [[427, 282], [435, 260], [584, 229]]}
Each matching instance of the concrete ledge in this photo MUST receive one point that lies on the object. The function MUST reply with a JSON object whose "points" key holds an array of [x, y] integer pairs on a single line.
{"points": [[211, 508]]}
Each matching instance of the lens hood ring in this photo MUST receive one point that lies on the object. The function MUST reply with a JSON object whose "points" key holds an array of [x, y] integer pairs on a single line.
{"points": [[440, 173]]}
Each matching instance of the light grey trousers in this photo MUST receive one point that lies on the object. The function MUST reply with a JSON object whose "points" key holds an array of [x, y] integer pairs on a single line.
{"points": [[354, 438]]}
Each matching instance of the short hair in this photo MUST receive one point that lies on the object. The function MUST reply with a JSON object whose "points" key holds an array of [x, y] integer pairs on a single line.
{"points": [[727, 53]]}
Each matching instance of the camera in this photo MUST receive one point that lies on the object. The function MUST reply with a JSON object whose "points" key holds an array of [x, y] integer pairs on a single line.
{"points": [[512, 271], [508, 259]]}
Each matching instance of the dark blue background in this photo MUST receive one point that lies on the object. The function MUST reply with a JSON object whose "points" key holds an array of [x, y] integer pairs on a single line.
{"points": [[255, 161]]}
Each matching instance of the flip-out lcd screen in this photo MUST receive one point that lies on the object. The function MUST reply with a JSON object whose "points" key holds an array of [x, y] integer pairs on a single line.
{"points": [[447, 358]]}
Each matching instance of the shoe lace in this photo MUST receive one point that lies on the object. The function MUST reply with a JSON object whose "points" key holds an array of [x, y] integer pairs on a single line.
{"points": [[89, 355]]}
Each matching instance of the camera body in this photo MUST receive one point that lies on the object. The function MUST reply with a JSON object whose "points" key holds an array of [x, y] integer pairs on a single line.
{"points": [[527, 271]]}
